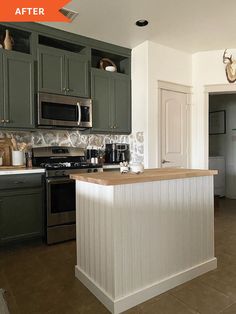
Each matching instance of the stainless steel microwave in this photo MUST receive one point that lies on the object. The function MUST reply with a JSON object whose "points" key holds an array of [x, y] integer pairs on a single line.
{"points": [[64, 111]]}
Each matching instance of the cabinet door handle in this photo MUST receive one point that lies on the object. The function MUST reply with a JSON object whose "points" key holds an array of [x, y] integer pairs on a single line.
{"points": [[7, 121], [114, 126], [19, 182], [2, 121], [69, 90], [64, 89]]}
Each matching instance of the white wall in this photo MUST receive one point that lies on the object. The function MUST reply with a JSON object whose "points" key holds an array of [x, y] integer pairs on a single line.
{"points": [[208, 69], [140, 92], [152, 62]]}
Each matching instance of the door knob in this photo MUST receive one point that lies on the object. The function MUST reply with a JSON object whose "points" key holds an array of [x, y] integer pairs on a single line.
{"points": [[165, 161]]}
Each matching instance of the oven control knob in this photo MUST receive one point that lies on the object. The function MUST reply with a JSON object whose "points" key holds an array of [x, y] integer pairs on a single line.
{"points": [[95, 170], [89, 170]]}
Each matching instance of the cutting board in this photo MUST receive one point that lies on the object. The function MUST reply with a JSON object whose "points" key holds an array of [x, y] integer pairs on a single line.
{"points": [[6, 148]]}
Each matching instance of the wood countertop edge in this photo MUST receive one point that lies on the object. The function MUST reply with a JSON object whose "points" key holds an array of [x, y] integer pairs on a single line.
{"points": [[131, 178]]}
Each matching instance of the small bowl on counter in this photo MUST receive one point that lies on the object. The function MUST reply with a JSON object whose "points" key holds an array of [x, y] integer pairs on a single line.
{"points": [[136, 167]]}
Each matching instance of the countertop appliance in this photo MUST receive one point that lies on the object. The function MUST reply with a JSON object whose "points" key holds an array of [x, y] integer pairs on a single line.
{"points": [[64, 111], [59, 163], [92, 155], [116, 153]]}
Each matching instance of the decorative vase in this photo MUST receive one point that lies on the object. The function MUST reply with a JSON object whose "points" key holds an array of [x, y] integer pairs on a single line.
{"points": [[8, 41]]}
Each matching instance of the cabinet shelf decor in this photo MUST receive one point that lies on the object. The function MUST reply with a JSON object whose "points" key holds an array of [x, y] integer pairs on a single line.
{"points": [[21, 39], [122, 62]]}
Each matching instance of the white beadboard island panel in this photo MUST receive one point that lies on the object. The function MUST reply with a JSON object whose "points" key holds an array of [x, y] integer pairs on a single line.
{"points": [[135, 241]]}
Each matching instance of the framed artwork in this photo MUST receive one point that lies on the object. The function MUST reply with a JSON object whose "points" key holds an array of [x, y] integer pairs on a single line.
{"points": [[217, 122]]}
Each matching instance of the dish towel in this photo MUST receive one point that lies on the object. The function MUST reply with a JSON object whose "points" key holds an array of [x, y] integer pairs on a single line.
{"points": [[3, 304]]}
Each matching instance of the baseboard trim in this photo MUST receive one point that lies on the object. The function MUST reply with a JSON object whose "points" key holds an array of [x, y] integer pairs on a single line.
{"points": [[116, 306]]}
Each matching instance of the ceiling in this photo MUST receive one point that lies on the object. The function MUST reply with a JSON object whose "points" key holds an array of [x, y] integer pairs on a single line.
{"points": [[187, 25]]}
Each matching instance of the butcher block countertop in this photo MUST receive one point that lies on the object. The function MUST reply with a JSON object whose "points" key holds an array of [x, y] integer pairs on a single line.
{"points": [[157, 174]]}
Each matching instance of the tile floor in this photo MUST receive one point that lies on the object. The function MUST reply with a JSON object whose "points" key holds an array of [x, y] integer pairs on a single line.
{"points": [[40, 279]]}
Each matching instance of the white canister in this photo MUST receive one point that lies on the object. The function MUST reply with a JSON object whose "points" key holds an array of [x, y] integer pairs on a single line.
{"points": [[136, 167], [17, 158]]}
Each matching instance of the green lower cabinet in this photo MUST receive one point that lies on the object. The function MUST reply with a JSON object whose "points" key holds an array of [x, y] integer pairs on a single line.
{"points": [[110, 93], [20, 216], [21, 208]]}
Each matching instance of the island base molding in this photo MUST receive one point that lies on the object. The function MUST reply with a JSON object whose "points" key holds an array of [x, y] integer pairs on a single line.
{"points": [[146, 293]]}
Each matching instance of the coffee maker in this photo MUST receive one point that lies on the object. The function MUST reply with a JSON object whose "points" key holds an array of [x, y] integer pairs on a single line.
{"points": [[92, 155], [116, 153]]}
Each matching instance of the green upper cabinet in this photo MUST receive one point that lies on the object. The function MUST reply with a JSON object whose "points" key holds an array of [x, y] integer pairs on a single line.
{"points": [[17, 109], [100, 93], [51, 70], [77, 75], [49, 60], [122, 104], [62, 72], [111, 102]]}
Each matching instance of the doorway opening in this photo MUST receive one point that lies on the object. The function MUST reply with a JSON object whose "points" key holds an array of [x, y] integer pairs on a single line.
{"points": [[222, 142]]}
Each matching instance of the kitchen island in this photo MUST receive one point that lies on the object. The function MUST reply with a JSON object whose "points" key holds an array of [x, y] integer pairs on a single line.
{"points": [[139, 235]]}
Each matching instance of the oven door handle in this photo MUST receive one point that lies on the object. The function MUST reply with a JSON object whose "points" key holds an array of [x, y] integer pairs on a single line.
{"points": [[79, 113], [59, 181]]}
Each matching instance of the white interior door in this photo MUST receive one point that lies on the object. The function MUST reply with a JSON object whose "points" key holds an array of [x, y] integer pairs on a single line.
{"points": [[174, 113]]}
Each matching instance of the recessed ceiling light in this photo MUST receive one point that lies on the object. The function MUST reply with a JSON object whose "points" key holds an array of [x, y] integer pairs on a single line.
{"points": [[142, 23]]}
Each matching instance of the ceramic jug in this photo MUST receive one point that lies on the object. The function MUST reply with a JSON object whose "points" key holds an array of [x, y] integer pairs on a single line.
{"points": [[7, 44]]}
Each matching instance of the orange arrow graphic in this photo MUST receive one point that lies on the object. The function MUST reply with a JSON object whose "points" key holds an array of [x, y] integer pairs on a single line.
{"points": [[32, 11]]}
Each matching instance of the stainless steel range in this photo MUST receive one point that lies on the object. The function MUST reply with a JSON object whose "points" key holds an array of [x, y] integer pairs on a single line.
{"points": [[59, 163]]}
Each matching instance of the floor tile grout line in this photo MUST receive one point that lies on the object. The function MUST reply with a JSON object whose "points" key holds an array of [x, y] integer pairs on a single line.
{"points": [[181, 301], [227, 308]]}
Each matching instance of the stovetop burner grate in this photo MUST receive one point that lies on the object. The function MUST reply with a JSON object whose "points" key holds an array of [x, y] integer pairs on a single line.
{"points": [[68, 165]]}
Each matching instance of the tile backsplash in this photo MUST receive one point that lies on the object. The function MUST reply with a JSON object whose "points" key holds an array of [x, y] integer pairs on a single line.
{"points": [[77, 139]]}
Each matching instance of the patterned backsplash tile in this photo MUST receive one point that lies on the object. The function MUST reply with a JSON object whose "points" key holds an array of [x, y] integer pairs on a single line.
{"points": [[77, 139]]}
